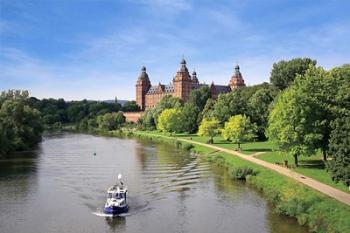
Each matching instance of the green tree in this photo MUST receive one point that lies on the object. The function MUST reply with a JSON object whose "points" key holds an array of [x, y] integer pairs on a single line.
{"points": [[209, 128], [258, 109], [131, 106], [20, 125], [339, 146], [238, 129], [110, 121], [148, 120], [284, 72], [190, 114], [165, 103], [293, 122], [199, 97], [170, 120], [228, 105]]}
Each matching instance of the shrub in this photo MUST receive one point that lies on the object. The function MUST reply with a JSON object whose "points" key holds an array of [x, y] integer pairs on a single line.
{"points": [[187, 146], [240, 173]]}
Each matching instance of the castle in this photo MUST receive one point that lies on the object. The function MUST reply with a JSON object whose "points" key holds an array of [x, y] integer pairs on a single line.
{"points": [[147, 96]]}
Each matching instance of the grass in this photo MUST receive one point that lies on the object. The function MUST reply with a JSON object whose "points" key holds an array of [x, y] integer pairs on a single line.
{"points": [[312, 166]]}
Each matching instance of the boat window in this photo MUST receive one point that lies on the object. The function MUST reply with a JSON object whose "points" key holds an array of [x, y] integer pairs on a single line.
{"points": [[109, 195]]}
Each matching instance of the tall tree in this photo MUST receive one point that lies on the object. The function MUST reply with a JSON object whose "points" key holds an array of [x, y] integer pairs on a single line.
{"points": [[209, 128], [228, 105], [238, 129], [339, 145], [289, 124], [284, 72], [190, 114], [131, 106], [170, 120], [199, 97], [258, 109]]}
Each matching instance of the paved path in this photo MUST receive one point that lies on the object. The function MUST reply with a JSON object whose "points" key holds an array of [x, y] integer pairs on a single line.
{"points": [[321, 187]]}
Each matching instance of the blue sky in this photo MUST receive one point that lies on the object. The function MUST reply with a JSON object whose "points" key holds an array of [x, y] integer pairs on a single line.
{"points": [[94, 49]]}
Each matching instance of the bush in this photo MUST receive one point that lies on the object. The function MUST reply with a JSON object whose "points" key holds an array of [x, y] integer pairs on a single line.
{"points": [[177, 144], [240, 173], [187, 146]]}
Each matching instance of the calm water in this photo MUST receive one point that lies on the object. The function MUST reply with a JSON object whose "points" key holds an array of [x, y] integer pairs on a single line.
{"points": [[62, 188]]}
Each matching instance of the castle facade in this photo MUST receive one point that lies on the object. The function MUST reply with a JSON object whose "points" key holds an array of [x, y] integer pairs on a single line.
{"points": [[147, 96]]}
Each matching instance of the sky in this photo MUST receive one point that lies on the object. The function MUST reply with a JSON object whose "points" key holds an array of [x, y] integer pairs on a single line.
{"points": [[94, 49]]}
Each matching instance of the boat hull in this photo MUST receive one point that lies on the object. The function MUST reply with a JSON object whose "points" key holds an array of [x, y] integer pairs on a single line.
{"points": [[116, 209]]}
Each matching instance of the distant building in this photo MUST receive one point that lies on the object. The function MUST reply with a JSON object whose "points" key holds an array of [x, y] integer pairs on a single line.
{"points": [[183, 83]]}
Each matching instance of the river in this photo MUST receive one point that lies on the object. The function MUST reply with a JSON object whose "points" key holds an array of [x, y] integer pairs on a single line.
{"points": [[61, 187]]}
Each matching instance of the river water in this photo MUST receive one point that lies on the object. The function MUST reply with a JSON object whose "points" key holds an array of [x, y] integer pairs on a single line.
{"points": [[61, 187]]}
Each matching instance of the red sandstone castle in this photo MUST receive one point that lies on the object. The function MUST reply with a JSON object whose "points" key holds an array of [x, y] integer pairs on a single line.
{"points": [[183, 83]]}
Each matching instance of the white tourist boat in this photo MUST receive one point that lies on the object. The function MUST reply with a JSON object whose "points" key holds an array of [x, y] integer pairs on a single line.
{"points": [[117, 198]]}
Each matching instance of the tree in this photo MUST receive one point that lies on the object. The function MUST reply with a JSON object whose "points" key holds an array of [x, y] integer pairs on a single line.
{"points": [[228, 105], [165, 103], [209, 128], [110, 121], [20, 125], [170, 120], [258, 109], [199, 97], [293, 121], [131, 106], [148, 119], [284, 72], [190, 114], [339, 145], [238, 129], [208, 111]]}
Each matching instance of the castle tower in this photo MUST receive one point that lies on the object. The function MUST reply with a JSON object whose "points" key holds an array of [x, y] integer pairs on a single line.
{"points": [[236, 79], [142, 86], [182, 82], [194, 78]]}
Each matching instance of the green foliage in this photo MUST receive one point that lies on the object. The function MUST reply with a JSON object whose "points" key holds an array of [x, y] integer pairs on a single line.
{"points": [[20, 125], [258, 108], [131, 106], [241, 173], [190, 113], [170, 120], [209, 128], [291, 121], [284, 72], [208, 109], [340, 150], [228, 105], [110, 121], [199, 97], [239, 129], [148, 119]]}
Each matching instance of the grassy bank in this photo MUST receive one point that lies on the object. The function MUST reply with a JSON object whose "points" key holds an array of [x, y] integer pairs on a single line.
{"points": [[311, 208], [312, 166]]}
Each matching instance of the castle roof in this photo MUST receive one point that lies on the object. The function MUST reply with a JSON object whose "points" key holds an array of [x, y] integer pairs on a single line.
{"points": [[161, 89], [143, 75]]}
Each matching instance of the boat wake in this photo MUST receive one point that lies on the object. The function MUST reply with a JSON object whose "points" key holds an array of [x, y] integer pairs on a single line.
{"points": [[101, 214]]}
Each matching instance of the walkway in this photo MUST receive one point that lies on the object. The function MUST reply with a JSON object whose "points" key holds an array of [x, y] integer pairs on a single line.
{"points": [[323, 188]]}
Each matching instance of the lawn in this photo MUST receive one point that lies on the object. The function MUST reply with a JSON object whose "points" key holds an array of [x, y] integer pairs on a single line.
{"points": [[312, 166], [246, 148]]}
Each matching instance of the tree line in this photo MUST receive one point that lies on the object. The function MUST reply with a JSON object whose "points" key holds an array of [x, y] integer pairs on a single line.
{"points": [[23, 118]]}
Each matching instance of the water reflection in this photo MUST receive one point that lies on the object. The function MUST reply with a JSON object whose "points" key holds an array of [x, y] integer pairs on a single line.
{"points": [[116, 224]]}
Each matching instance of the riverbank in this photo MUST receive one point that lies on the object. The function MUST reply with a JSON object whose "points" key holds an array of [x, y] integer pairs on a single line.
{"points": [[311, 208]]}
